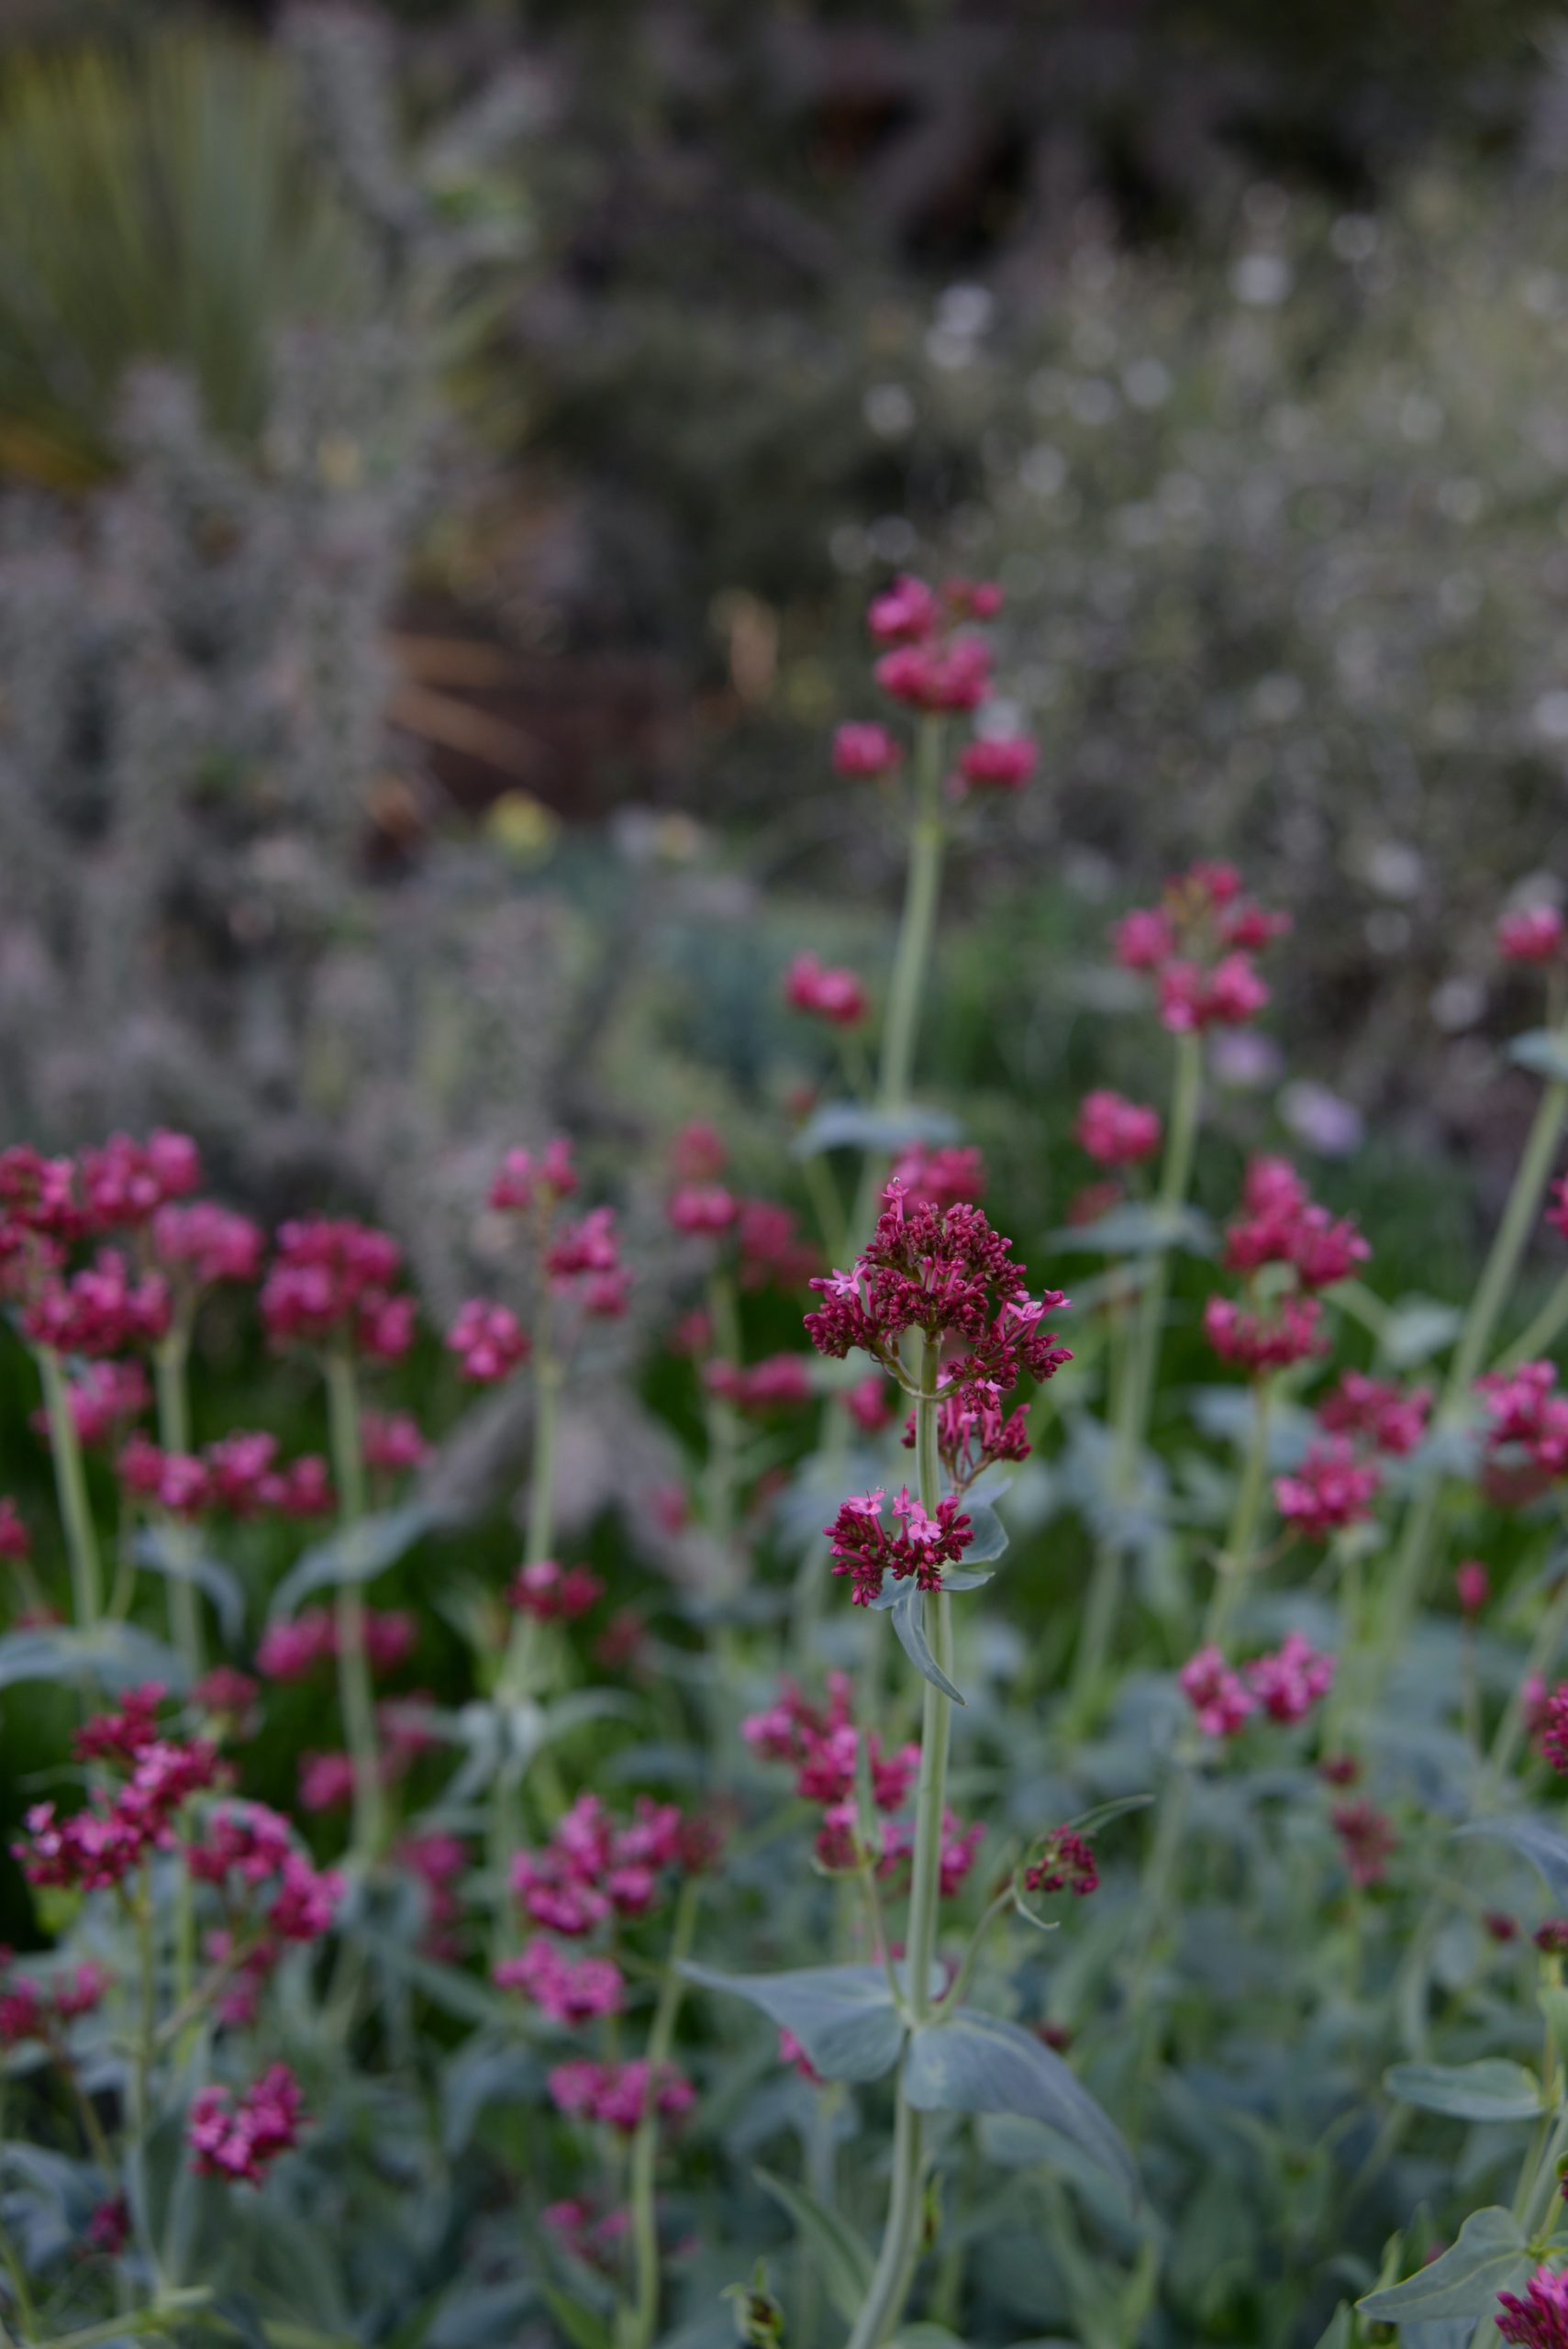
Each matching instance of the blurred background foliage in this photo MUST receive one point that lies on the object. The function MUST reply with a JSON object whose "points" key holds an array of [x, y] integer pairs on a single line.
{"points": [[445, 449]]}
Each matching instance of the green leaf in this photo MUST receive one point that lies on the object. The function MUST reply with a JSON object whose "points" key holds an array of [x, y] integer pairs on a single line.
{"points": [[850, 1125], [909, 1622], [168, 1551], [1491, 2256], [1339, 2335], [1546, 1850], [112, 1655], [978, 2063], [582, 2325], [1543, 1051], [843, 2260], [1139, 1228], [989, 1539], [1417, 1329], [356, 1554], [1493, 2089], [842, 2015]]}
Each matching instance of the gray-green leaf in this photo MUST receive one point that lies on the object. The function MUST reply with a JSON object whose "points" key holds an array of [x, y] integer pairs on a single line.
{"points": [[1491, 2256], [978, 2063], [1493, 2089], [909, 1623], [356, 1554], [1543, 1051], [842, 2015], [843, 2258]]}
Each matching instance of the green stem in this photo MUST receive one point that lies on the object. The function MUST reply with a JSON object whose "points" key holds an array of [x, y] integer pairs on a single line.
{"points": [[70, 1487], [1541, 1332], [1241, 1541], [900, 2246], [169, 1369], [355, 1695], [1492, 1293], [917, 928], [1136, 1385], [644, 2316]]}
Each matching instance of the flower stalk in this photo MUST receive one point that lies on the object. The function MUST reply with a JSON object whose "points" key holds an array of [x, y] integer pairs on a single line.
{"points": [[354, 1692], [71, 1487]]}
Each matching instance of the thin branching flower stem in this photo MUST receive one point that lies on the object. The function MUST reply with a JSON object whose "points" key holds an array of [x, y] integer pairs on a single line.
{"points": [[355, 1695], [900, 2246], [1493, 1290], [170, 1363], [70, 1487], [1135, 1385], [644, 2316]]}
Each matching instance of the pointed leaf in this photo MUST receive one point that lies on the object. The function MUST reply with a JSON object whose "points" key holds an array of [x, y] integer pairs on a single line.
{"points": [[842, 2015], [355, 1555], [978, 2063], [843, 2258], [1546, 1850], [909, 1623], [1491, 2256], [850, 1125], [989, 1539], [1492, 2089], [1543, 1051], [163, 1550], [111, 1655]]}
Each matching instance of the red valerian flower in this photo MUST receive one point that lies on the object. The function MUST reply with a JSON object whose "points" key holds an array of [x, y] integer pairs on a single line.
{"points": [[973, 1430], [1367, 1840], [1330, 1490], [703, 1208], [780, 1382], [1198, 944], [947, 1274], [554, 1594], [201, 1244], [331, 1281], [1396, 1420], [995, 763], [866, 751], [1532, 934], [770, 1248], [940, 1176], [1291, 1681], [917, 1548], [619, 2095], [1066, 1864], [837, 996], [1472, 1587], [571, 1990], [1115, 1132], [697, 1154], [524, 1181], [126, 1182], [1280, 1224], [1541, 2320], [99, 1310], [392, 1441], [1528, 1418], [937, 678], [15, 1540], [869, 1404], [1259, 1342], [1217, 1696], [904, 613], [488, 1340], [239, 2139]]}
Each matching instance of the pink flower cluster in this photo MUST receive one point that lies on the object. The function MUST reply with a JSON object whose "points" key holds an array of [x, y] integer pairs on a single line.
{"points": [[916, 1547], [238, 2139], [1541, 2320], [1367, 1840], [838, 997], [392, 1442], [98, 1847], [1284, 1685], [1198, 944], [940, 1176], [973, 1431], [593, 1867], [524, 1182], [1528, 1419], [201, 1244], [238, 1474], [33, 2009], [271, 1896], [15, 1540], [1531, 934], [102, 1309], [1393, 1419], [331, 1281], [1280, 1225], [1330, 1490], [780, 1382], [488, 1340], [292, 1651], [945, 1273], [619, 2095], [124, 1183], [1066, 1864], [932, 663], [552, 1593], [570, 1990], [1115, 1132], [102, 1399]]}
